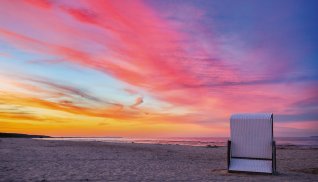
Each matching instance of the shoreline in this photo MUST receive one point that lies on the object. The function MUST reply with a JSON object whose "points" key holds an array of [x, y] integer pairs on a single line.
{"points": [[190, 141], [53, 160]]}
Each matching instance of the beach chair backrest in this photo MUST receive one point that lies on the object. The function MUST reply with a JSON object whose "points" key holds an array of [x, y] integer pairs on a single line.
{"points": [[252, 135]]}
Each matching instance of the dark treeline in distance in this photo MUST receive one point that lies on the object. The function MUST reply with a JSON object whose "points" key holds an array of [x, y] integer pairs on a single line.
{"points": [[19, 135]]}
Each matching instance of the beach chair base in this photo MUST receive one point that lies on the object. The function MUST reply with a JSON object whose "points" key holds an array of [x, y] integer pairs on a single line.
{"points": [[249, 165]]}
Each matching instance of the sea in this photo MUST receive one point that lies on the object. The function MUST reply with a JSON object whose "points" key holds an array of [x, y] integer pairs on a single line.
{"points": [[192, 141]]}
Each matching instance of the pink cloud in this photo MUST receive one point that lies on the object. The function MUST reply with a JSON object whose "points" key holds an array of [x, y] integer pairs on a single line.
{"points": [[139, 100]]}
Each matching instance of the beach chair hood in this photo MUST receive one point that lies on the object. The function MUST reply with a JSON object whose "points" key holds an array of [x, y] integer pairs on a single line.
{"points": [[252, 135]]}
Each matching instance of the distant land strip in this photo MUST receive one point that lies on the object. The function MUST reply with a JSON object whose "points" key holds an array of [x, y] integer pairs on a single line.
{"points": [[19, 135]]}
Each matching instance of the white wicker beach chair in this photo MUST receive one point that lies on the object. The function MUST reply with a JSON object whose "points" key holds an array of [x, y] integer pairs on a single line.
{"points": [[251, 147]]}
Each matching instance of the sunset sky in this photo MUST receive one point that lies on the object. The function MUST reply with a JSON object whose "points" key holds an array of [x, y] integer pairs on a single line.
{"points": [[156, 68]]}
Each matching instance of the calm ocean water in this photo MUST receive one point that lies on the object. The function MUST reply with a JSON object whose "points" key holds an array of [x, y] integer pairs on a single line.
{"points": [[202, 141]]}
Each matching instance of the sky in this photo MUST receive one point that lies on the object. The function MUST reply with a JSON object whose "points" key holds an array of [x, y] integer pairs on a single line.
{"points": [[153, 68]]}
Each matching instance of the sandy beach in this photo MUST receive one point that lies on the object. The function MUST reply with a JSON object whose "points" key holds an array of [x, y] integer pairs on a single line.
{"points": [[40, 160]]}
